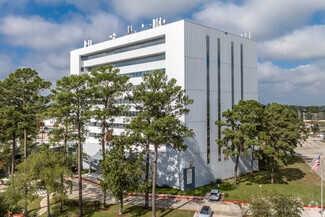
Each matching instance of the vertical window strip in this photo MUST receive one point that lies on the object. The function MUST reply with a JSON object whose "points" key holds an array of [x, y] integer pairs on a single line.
{"points": [[242, 71], [208, 95], [232, 75], [219, 96]]}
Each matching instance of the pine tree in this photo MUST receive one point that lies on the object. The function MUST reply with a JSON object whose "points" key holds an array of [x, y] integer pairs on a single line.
{"points": [[26, 89], [161, 104], [107, 86], [282, 135], [74, 90], [242, 124], [122, 169]]}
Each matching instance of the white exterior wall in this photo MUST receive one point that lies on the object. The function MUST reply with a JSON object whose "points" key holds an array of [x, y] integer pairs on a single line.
{"points": [[185, 52], [196, 88]]}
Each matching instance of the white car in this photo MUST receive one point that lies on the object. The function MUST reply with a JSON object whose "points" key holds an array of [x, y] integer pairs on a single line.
{"points": [[215, 194], [4, 181]]}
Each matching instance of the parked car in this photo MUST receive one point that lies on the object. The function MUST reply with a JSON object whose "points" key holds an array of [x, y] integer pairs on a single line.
{"points": [[205, 212], [215, 194]]}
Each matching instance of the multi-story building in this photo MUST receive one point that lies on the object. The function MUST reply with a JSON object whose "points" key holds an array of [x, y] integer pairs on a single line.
{"points": [[216, 69]]}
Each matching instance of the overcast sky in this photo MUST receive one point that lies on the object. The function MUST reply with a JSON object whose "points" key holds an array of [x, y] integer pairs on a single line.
{"points": [[290, 36]]}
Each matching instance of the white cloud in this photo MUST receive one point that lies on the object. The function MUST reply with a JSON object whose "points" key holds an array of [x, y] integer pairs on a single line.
{"points": [[131, 9], [302, 85], [39, 34], [301, 44], [50, 66], [6, 66], [264, 19], [50, 43]]}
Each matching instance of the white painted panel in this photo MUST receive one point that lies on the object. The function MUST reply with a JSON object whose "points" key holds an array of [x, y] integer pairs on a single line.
{"points": [[237, 79], [195, 74], [198, 108], [250, 80], [225, 101], [213, 76], [225, 77]]}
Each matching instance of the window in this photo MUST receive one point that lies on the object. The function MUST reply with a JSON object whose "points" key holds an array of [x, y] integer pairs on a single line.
{"points": [[208, 95], [219, 96], [232, 75], [125, 49], [241, 72], [141, 73], [135, 61]]}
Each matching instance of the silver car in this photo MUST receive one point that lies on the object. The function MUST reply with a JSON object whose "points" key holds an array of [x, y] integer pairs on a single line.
{"points": [[215, 194], [205, 212]]}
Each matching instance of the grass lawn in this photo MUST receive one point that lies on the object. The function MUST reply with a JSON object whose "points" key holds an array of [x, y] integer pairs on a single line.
{"points": [[34, 206], [92, 209], [296, 179]]}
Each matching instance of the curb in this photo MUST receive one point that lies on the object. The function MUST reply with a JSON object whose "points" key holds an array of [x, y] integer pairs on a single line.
{"points": [[231, 201], [14, 215], [166, 196]]}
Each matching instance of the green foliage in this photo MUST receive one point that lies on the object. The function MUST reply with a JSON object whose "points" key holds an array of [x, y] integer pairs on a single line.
{"points": [[41, 170], [107, 85], [274, 203], [243, 126], [72, 98], [122, 174], [283, 132], [22, 102], [4, 205], [161, 104]]}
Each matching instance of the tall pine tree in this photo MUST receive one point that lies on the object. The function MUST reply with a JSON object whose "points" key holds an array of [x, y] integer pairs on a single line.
{"points": [[107, 86], [74, 90], [161, 104]]}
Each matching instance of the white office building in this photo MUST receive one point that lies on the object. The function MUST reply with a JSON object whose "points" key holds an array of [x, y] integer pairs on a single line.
{"points": [[216, 69]]}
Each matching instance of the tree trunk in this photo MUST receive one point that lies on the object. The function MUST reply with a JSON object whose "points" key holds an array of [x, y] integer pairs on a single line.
{"points": [[236, 168], [146, 198], [103, 199], [79, 169], [62, 184], [252, 161], [48, 204], [272, 175], [121, 207], [154, 182], [61, 207], [13, 153], [25, 143]]}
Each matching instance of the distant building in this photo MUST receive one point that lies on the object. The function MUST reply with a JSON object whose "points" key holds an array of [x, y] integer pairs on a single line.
{"points": [[216, 68]]}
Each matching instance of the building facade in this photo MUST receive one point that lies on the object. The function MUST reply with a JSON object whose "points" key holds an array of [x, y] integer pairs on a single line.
{"points": [[216, 69]]}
